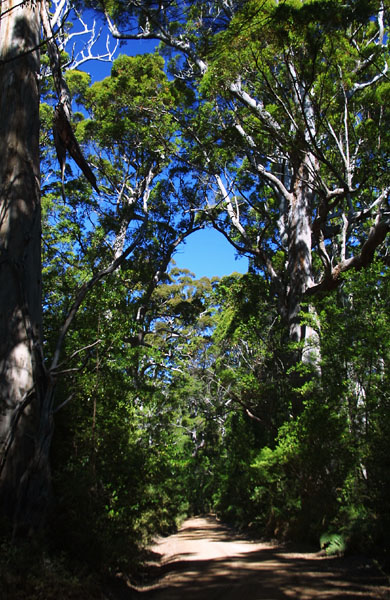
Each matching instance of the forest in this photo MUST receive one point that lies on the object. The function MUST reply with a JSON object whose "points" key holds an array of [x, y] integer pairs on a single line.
{"points": [[134, 395]]}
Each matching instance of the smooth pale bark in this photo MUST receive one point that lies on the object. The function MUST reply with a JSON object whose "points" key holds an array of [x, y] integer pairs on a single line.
{"points": [[22, 381], [300, 269]]}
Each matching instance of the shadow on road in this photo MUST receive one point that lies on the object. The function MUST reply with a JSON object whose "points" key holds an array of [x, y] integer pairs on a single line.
{"points": [[268, 573]]}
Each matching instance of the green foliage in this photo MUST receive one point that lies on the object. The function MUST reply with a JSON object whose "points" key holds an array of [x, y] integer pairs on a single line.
{"points": [[332, 543], [78, 83], [180, 396], [130, 108], [355, 336], [231, 499], [319, 472], [296, 484], [121, 451]]}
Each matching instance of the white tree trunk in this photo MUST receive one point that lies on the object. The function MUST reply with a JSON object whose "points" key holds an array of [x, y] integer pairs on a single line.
{"points": [[300, 261]]}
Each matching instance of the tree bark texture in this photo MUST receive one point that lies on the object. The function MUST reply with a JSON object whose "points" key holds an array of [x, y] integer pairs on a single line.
{"points": [[300, 269], [22, 481]]}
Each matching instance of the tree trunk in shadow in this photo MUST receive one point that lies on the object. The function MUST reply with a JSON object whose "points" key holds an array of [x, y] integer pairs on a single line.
{"points": [[25, 429]]}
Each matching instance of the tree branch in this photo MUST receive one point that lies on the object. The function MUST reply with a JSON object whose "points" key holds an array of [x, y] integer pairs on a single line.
{"points": [[85, 288], [331, 281]]}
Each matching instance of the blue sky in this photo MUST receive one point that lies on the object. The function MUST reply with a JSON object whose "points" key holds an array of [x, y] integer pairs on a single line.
{"points": [[205, 253]]}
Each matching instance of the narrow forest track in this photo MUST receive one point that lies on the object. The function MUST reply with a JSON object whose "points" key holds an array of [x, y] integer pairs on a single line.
{"points": [[208, 561]]}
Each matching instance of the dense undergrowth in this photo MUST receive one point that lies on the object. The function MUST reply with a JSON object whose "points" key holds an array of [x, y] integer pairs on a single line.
{"points": [[31, 571], [130, 462]]}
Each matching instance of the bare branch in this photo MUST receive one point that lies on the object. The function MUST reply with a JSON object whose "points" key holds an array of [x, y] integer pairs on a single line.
{"points": [[254, 105], [375, 238], [64, 403], [73, 355], [86, 54], [361, 86], [57, 18], [367, 212], [234, 215], [161, 35]]}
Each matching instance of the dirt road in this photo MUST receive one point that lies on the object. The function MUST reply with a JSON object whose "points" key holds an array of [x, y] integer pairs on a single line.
{"points": [[207, 561]]}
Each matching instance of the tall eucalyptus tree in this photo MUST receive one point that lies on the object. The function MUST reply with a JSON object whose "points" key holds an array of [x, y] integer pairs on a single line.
{"points": [[285, 131], [28, 379], [25, 385], [21, 369]]}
